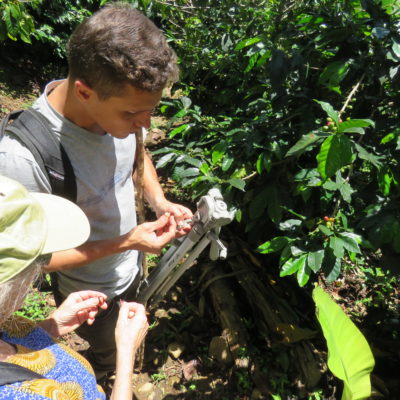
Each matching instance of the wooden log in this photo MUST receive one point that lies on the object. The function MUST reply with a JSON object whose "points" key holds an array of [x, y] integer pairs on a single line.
{"points": [[277, 320], [234, 331]]}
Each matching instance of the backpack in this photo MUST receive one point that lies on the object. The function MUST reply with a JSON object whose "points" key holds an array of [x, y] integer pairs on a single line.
{"points": [[31, 128]]}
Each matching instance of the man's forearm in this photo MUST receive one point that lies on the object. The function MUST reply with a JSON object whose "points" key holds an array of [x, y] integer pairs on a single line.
{"points": [[82, 255]]}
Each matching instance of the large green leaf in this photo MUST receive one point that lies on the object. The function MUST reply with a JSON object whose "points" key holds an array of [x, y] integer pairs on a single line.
{"points": [[349, 355], [334, 154], [348, 126], [306, 142]]}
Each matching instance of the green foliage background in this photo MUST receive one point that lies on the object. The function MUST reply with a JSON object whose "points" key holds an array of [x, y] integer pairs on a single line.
{"points": [[290, 107]]}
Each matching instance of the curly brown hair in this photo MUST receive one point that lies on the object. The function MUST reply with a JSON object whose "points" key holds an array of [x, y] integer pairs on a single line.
{"points": [[118, 45]]}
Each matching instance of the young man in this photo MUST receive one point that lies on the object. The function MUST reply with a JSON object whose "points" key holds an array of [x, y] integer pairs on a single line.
{"points": [[119, 63]]}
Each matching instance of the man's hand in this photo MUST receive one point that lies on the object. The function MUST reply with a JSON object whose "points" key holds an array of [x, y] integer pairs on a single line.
{"points": [[77, 308], [152, 237], [180, 213]]}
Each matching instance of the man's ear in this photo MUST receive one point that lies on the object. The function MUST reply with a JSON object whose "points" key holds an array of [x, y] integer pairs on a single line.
{"points": [[83, 91]]}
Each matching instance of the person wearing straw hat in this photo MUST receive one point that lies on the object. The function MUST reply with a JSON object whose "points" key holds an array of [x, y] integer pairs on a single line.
{"points": [[33, 365]]}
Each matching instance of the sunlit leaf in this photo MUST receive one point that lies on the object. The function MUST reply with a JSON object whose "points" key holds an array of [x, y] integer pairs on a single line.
{"points": [[218, 152], [347, 126], [292, 265], [349, 355], [164, 160], [305, 143], [276, 244], [349, 243], [303, 274], [247, 42], [237, 183]]}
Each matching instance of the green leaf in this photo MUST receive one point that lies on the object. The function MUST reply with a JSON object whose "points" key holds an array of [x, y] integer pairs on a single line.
{"points": [[314, 260], [333, 74], [290, 225], [303, 274], [326, 231], [263, 162], [237, 183], [346, 126], [182, 172], [292, 265], [164, 160], [218, 152], [330, 111], [252, 62], [331, 265], [334, 154], [305, 143], [226, 163], [388, 138], [204, 168], [337, 245], [276, 244], [182, 128], [385, 179], [192, 161], [349, 355], [342, 185], [349, 243], [365, 155], [247, 43]]}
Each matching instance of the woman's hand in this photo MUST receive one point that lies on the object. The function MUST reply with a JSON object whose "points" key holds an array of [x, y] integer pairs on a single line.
{"points": [[77, 308], [131, 327]]}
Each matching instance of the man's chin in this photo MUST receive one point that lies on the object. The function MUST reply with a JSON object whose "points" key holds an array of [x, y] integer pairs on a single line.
{"points": [[121, 135]]}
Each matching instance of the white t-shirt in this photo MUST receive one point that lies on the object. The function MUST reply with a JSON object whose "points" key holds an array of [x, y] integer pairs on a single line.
{"points": [[103, 166]]}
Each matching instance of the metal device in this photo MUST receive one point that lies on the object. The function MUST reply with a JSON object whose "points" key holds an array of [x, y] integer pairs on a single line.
{"points": [[212, 213]]}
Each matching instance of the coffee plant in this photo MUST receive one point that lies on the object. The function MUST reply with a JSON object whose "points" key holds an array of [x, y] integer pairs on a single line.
{"points": [[291, 108]]}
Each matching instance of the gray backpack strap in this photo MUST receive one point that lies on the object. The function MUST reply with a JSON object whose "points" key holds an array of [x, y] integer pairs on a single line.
{"points": [[32, 129]]}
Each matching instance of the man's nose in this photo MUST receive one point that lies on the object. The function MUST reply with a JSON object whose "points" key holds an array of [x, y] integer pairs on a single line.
{"points": [[143, 120]]}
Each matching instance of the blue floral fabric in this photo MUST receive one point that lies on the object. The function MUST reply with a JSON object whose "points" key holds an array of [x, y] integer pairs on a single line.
{"points": [[67, 375]]}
